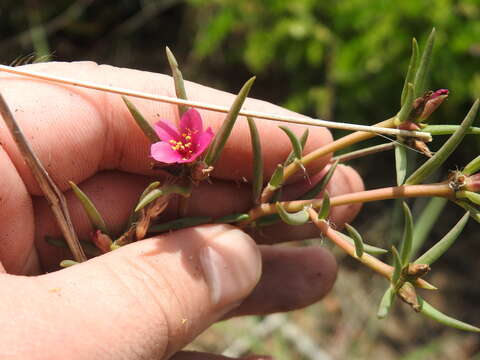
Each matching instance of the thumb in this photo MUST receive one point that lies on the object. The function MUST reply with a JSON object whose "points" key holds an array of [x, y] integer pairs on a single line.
{"points": [[146, 300]]}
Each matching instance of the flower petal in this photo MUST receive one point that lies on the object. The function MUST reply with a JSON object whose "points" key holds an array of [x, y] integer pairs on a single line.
{"points": [[203, 140], [192, 121], [166, 132], [163, 152]]}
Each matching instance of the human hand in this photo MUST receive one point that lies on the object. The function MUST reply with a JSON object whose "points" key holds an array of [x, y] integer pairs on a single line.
{"points": [[151, 298]]}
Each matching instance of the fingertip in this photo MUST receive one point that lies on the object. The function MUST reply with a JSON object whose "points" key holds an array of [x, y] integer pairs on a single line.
{"points": [[292, 278]]}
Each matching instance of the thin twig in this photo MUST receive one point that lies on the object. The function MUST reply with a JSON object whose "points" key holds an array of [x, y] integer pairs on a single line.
{"points": [[52, 193], [331, 147], [394, 192], [212, 107], [364, 152], [372, 262]]}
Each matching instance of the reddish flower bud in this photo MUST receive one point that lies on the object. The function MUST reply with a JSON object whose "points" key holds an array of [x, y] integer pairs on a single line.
{"points": [[101, 241], [433, 102], [409, 125], [472, 183]]}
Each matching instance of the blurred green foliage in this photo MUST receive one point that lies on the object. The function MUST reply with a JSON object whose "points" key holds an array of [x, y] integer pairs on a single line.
{"points": [[344, 60]]}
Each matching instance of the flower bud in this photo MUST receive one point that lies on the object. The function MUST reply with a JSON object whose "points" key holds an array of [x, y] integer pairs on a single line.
{"points": [[417, 270], [102, 241], [408, 294], [472, 183], [409, 125], [433, 102]]}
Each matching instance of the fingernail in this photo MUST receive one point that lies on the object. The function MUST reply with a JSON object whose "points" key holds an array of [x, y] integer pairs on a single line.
{"points": [[232, 266]]}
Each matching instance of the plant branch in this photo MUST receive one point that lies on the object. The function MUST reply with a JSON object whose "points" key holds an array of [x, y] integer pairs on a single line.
{"points": [[332, 147], [372, 262], [364, 152], [394, 192], [52, 193]]}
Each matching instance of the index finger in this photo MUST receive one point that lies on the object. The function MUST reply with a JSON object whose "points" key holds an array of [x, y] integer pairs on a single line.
{"points": [[77, 132]]}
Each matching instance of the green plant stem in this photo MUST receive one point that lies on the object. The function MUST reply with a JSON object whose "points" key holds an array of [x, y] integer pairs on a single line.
{"points": [[394, 192], [336, 145], [370, 261], [364, 152]]}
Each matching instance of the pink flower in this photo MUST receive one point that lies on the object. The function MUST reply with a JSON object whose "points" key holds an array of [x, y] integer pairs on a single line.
{"points": [[182, 145]]}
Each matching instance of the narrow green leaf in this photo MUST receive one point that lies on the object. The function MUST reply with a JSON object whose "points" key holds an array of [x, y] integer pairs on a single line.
{"points": [[178, 81], [215, 149], [397, 266], [437, 250], [369, 249], [257, 182], [233, 218], [444, 152], [93, 214], [68, 263], [164, 190], [321, 185], [179, 224], [134, 215], [267, 220], [357, 238], [422, 72], [472, 196], [296, 145], [148, 198], [407, 240], [449, 129], [412, 69], [472, 167], [141, 121], [406, 108], [474, 212], [386, 303], [88, 247], [400, 163], [291, 156], [298, 218], [150, 187], [56, 241], [424, 223], [277, 177], [429, 311], [325, 209]]}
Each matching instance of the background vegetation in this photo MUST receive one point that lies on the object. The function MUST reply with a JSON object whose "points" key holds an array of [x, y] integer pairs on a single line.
{"points": [[339, 60]]}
